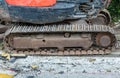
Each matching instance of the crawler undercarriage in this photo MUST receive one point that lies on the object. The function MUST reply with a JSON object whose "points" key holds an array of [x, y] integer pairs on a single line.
{"points": [[78, 27], [61, 39]]}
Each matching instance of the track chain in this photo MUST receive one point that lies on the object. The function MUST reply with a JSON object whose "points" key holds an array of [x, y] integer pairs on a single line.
{"points": [[67, 52]]}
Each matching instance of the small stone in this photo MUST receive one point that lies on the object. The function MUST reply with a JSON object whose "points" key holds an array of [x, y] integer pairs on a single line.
{"points": [[91, 60], [12, 60], [103, 60], [61, 72], [84, 71], [15, 69], [117, 68], [73, 65], [51, 69], [30, 77], [108, 70], [34, 66]]}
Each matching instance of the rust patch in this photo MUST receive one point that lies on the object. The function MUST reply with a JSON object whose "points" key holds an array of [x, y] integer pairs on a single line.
{"points": [[60, 42], [104, 39]]}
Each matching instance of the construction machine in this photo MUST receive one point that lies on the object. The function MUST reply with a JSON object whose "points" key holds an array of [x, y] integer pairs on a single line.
{"points": [[67, 27]]}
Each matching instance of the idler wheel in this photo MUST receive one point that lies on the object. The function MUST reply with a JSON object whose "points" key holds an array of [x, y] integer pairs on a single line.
{"points": [[99, 20], [104, 39]]}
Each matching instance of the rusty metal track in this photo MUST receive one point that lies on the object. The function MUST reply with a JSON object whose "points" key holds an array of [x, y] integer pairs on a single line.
{"points": [[24, 29]]}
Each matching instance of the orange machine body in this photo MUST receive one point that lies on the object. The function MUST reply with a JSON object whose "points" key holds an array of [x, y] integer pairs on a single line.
{"points": [[41, 3]]}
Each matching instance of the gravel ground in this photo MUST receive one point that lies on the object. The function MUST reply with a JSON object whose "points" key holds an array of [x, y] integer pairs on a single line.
{"points": [[62, 67]]}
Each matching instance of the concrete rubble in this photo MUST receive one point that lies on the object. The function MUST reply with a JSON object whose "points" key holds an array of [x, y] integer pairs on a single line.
{"points": [[62, 67]]}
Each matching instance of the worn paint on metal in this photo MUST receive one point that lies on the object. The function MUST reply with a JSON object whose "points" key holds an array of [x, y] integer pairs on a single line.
{"points": [[62, 10]]}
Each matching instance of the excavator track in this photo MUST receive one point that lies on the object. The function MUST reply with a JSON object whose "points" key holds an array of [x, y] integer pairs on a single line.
{"points": [[21, 32]]}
